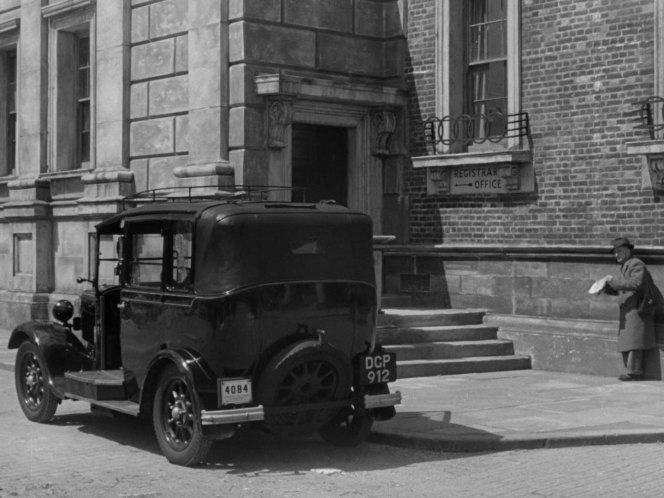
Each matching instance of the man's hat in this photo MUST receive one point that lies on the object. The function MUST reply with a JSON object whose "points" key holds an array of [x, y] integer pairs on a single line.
{"points": [[621, 242]]}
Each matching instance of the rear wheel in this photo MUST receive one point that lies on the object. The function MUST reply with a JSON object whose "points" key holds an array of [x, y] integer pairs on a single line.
{"points": [[34, 395], [176, 421], [302, 374]]}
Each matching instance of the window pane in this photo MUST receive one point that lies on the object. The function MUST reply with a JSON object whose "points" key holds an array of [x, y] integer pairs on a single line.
{"points": [[83, 97], [146, 263], [182, 253], [84, 130]]}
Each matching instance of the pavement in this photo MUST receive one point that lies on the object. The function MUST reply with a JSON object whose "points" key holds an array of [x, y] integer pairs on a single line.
{"points": [[518, 409]]}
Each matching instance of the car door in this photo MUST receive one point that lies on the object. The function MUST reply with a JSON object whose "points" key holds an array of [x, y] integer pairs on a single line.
{"points": [[141, 297]]}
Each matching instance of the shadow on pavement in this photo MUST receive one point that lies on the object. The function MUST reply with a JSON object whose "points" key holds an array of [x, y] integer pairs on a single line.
{"points": [[254, 451]]}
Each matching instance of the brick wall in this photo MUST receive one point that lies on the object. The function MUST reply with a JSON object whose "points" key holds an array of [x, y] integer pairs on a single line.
{"points": [[583, 65]]}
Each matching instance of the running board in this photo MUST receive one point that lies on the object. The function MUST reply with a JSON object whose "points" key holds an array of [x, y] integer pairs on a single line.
{"points": [[122, 406]]}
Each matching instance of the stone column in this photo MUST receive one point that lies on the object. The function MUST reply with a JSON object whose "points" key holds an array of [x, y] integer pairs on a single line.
{"points": [[208, 95], [111, 179]]}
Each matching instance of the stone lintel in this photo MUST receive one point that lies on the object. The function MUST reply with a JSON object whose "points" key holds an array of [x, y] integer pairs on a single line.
{"points": [[329, 90]]}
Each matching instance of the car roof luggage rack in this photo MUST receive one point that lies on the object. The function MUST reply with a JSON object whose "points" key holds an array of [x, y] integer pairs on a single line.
{"points": [[230, 193]]}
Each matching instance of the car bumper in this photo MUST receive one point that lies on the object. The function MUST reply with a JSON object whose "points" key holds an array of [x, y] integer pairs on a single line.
{"points": [[257, 413]]}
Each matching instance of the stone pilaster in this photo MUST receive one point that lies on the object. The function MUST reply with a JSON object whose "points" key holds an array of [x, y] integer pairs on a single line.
{"points": [[208, 95], [110, 180]]}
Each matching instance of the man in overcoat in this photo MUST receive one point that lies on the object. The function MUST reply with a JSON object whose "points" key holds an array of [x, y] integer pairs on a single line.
{"points": [[638, 297]]}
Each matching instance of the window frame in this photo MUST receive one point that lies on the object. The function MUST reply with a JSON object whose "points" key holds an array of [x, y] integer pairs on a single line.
{"points": [[8, 46], [65, 29], [451, 63]]}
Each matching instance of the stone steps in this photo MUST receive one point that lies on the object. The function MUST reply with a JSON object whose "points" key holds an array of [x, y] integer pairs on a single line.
{"points": [[445, 342]]}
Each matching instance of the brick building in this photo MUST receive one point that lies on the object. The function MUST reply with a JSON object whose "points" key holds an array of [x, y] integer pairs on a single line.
{"points": [[499, 140], [514, 214]]}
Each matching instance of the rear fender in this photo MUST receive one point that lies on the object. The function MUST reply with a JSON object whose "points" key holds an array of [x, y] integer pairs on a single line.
{"points": [[192, 366], [60, 349]]}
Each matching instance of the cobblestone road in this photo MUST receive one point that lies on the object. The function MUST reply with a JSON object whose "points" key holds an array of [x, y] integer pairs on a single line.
{"points": [[83, 454]]}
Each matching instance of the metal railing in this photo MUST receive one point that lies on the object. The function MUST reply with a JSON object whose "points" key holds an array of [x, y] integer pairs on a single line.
{"points": [[650, 115], [467, 129]]}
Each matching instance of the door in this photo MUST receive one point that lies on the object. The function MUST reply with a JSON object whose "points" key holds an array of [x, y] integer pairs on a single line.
{"points": [[320, 162]]}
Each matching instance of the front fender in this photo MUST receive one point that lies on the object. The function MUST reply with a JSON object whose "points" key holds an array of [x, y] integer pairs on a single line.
{"points": [[191, 365], [60, 349]]}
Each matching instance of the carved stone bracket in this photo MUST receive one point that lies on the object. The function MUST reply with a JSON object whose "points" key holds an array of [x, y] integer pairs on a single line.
{"points": [[383, 124], [512, 177], [280, 116], [656, 168]]}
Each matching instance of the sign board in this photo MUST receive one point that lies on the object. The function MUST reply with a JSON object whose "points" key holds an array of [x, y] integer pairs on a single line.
{"points": [[475, 180], [486, 179]]}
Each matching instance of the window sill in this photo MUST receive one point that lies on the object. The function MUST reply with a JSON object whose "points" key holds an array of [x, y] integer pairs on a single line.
{"points": [[516, 157]]}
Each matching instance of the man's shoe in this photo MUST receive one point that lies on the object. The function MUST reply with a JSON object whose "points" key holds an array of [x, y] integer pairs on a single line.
{"points": [[628, 377]]}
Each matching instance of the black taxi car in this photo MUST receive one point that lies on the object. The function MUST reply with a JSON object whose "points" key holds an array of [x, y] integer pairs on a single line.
{"points": [[208, 314]]}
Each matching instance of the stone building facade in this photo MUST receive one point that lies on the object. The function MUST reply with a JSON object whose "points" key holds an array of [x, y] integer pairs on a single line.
{"points": [[502, 142], [104, 98]]}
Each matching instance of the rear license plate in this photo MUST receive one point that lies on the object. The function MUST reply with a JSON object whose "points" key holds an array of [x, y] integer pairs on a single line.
{"points": [[378, 368], [235, 391]]}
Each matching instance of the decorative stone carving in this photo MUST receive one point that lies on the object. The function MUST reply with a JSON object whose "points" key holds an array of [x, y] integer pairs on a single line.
{"points": [[280, 116], [383, 124], [656, 168], [512, 177]]}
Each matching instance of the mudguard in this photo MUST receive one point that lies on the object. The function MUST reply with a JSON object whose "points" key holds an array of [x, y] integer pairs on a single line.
{"points": [[188, 363], [61, 350]]}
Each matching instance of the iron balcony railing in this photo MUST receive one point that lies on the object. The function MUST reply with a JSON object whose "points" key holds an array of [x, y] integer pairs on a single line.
{"points": [[466, 129], [650, 115]]}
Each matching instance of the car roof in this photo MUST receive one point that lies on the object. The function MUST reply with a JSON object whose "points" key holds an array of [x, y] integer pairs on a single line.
{"points": [[218, 210]]}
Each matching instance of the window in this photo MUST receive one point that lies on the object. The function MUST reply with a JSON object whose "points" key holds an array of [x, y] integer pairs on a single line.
{"points": [[147, 259], [83, 98], [8, 120], [182, 253], [486, 22], [477, 64], [71, 90], [149, 263]]}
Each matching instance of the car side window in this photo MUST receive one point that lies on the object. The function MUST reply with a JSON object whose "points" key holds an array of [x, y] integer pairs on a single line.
{"points": [[144, 254], [181, 254], [147, 259]]}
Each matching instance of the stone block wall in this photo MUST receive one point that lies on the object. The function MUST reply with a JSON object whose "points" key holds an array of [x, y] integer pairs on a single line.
{"points": [[535, 282], [159, 85], [347, 40]]}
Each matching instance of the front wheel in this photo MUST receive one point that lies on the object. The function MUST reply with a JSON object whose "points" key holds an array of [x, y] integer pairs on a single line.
{"points": [[176, 421], [34, 395], [348, 428]]}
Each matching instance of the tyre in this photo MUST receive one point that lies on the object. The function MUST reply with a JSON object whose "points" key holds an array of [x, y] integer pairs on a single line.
{"points": [[348, 428], [302, 374], [176, 419], [31, 376]]}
